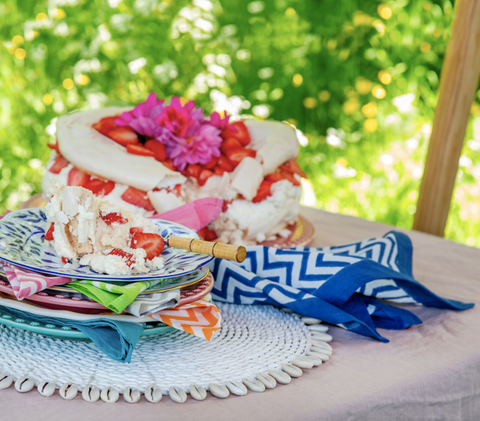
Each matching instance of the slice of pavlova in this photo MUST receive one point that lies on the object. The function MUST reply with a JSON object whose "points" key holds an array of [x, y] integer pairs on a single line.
{"points": [[97, 233]]}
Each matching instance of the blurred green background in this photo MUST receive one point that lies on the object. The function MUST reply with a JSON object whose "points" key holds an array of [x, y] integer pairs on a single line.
{"points": [[358, 78]]}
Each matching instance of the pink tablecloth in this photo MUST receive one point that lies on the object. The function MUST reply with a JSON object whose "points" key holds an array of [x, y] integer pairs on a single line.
{"points": [[429, 372]]}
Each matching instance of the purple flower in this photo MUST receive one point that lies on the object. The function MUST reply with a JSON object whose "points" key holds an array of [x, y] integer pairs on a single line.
{"points": [[220, 123], [142, 117]]}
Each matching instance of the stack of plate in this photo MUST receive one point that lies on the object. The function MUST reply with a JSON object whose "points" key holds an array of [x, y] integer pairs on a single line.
{"points": [[22, 244]]}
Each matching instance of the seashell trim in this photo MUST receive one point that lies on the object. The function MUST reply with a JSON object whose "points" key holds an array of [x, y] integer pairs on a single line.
{"points": [[307, 346]]}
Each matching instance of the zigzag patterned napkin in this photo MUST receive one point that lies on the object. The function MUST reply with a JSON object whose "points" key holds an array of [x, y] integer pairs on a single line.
{"points": [[340, 285]]}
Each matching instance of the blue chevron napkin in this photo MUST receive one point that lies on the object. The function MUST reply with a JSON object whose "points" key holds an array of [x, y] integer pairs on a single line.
{"points": [[340, 285]]}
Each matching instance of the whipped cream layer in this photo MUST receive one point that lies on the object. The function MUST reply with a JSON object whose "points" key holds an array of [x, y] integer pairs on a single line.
{"points": [[81, 234]]}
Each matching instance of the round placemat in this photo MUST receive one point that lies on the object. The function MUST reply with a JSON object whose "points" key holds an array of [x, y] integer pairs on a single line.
{"points": [[257, 346]]}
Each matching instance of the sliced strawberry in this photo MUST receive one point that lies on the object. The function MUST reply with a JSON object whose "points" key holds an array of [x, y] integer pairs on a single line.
{"points": [[77, 178], [212, 164], [49, 234], [123, 135], [99, 187], [224, 162], [58, 165], [192, 170], [287, 175], [130, 260], [274, 177], [229, 144], [64, 260], [263, 191], [113, 218], [138, 198], [138, 149], [219, 171], [105, 125], [153, 244], [157, 148], [169, 164], [207, 234], [294, 168], [54, 146], [204, 176], [134, 230], [236, 155], [226, 204], [237, 130], [177, 190]]}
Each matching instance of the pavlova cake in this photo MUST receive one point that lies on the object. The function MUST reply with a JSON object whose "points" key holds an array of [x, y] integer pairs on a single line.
{"points": [[156, 157], [100, 234]]}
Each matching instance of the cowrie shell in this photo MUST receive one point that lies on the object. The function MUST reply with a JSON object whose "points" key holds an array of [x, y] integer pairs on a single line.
{"points": [[91, 393], [197, 392], [109, 395], [68, 391], [177, 394], [153, 393], [46, 388], [131, 395]]}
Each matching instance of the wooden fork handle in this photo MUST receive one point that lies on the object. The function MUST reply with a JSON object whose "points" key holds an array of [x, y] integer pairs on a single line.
{"points": [[215, 249]]}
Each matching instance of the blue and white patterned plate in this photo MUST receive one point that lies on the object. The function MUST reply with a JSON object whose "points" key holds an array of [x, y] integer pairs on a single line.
{"points": [[22, 244]]}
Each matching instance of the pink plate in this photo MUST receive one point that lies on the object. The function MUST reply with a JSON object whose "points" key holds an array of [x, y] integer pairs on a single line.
{"points": [[60, 302]]}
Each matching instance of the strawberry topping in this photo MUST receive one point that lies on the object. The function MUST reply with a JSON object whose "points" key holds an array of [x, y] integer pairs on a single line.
{"points": [[138, 198], [64, 260], [77, 178], [139, 150], [157, 148], [130, 260], [153, 244], [204, 176], [207, 234], [238, 131], [113, 218], [49, 234], [99, 187], [134, 230], [263, 191], [294, 168], [54, 146], [105, 125], [123, 135], [236, 155], [58, 165]]}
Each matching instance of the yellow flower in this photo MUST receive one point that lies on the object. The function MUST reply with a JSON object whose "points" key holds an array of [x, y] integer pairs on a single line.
{"points": [[384, 77], [82, 79], [370, 125], [324, 96], [309, 102], [48, 99], [297, 80], [351, 106], [360, 18], [341, 162], [20, 53], [384, 11], [379, 26], [59, 14], [290, 12], [362, 85], [369, 110], [68, 83], [425, 47], [42, 16], [378, 92], [18, 40]]}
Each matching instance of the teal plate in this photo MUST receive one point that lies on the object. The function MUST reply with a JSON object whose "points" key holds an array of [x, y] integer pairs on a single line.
{"points": [[56, 332]]}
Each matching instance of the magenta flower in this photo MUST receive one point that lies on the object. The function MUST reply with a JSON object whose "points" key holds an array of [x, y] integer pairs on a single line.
{"points": [[142, 117], [191, 139], [220, 123]]}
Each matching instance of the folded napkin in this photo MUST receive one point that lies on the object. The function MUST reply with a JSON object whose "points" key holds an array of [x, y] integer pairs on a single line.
{"points": [[194, 215], [340, 285], [147, 304], [25, 282], [199, 318], [116, 339], [115, 296]]}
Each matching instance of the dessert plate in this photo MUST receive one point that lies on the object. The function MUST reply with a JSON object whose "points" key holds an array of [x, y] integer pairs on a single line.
{"points": [[73, 301], [22, 244], [57, 332]]}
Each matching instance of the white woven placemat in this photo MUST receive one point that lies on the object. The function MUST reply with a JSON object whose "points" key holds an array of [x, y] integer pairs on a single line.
{"points": [[252, 340]]}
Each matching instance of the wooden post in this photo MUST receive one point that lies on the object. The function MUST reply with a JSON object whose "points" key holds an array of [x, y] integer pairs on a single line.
{"points": [[458, 83]]}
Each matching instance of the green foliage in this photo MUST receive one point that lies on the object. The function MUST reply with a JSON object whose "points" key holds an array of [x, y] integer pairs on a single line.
{"points": [[338, 70]]}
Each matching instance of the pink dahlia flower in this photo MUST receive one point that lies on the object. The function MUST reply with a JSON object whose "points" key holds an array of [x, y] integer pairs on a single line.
{"points": [[191, 139], [142, 117], [220, 123]]}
